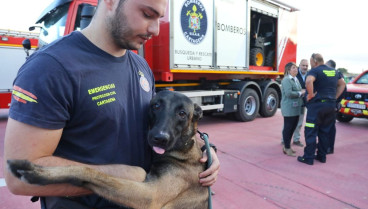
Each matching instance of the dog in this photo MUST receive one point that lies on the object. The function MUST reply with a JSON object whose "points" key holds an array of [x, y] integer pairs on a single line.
{"points": [[173, 180]]}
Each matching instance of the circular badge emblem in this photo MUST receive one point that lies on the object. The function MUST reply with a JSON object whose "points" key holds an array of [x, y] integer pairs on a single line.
{"points": [[193, 19], [144, 84]]}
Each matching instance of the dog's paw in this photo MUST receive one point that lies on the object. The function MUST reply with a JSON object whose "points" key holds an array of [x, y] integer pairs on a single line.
{"points": [[25, 171]]}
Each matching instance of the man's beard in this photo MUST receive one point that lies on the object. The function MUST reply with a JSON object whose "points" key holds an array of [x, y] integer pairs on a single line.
{"points": [[119, 29]]}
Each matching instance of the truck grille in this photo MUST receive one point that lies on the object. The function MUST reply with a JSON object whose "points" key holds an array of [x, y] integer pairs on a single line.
{"points": [[356, 96]]}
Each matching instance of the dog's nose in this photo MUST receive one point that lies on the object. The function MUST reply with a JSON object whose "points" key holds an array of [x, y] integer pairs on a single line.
{"points": [[161, 138]]}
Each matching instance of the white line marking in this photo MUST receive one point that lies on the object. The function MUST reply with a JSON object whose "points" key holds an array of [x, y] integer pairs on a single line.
{"points": [[2, 183]]}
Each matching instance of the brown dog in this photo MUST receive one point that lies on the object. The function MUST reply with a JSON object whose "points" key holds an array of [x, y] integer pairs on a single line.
{"points": [[173, 179]]}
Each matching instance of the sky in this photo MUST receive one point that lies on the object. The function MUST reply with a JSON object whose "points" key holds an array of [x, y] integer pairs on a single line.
{"points": [[337, 29]]}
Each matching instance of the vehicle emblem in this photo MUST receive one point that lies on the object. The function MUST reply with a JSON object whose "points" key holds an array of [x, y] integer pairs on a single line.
{"points": [[358, 96], [194, 21]]}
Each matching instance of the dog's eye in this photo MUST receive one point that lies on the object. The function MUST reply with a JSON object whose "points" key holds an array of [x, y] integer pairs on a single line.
{"points": [[156, 106], [182, 114]]}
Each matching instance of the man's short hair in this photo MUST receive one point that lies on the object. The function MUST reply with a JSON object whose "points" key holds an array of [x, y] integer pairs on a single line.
{"points": [[317, 58], [331, 63]]}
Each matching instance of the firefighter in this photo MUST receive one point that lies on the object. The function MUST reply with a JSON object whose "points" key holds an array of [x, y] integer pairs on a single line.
{"points": [[84, 99], [324, 84]]}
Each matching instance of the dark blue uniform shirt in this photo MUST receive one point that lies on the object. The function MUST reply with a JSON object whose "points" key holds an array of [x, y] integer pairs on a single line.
{"points": [[326, 82], [100, 101]]}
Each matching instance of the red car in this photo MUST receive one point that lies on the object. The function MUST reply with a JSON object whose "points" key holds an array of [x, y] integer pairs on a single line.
{"points": [[355, 101]]}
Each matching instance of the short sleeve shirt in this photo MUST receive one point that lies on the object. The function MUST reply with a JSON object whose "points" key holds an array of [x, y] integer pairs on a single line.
{"points": [[325, 83], [100, 101]]}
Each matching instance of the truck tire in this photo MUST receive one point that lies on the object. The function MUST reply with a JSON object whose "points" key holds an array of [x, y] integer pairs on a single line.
{"points": [[344, 118], [270, 103], [270, 59], [256, 57], [248, 106]]}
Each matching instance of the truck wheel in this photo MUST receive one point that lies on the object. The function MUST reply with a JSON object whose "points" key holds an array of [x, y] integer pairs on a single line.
{"points": [[270, 103], [248, 106], [256, 57], [344, 118], [270, 59]]}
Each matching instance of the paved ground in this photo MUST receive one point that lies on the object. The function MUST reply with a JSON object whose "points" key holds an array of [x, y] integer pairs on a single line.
{"points": [[256, 174]]}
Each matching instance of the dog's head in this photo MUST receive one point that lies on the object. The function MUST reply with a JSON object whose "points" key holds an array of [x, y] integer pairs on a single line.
{"points": [[173, 121]]}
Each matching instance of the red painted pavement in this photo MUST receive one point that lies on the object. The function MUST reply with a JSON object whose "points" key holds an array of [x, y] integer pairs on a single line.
{"points": [[256, 174]]}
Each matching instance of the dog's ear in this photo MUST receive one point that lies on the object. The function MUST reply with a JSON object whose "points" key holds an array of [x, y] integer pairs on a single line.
{"points": [[198, 113]]}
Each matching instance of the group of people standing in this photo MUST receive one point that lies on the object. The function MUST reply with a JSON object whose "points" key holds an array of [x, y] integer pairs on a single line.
{"points": [[317, 90]]}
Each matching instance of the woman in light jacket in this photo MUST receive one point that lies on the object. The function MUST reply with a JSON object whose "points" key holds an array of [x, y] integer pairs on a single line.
{"points": [[291, 105]]}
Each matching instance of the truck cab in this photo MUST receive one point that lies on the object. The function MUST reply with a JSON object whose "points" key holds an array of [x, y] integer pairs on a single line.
{"points": [[62, 17], [226, 62]]}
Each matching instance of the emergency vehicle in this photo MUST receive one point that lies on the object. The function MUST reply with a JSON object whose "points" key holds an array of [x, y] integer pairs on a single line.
{"points": [[224, 54], [355, 99], [12, 56]]}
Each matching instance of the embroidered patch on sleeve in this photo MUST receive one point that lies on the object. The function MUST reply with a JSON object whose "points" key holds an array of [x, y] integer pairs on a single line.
{"points": [[23, 96]]}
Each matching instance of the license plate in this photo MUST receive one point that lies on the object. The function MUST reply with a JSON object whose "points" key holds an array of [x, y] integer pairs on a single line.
{"points": [[356, 106]]}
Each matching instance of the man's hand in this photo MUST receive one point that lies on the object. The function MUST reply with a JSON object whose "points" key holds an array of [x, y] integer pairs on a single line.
{"points": [[209, 176], [310, 96]]}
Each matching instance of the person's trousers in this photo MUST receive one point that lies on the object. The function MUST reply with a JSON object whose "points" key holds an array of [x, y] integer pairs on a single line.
{"points": [[298, 127], [320, 117], [290, 124], [331, 145]]}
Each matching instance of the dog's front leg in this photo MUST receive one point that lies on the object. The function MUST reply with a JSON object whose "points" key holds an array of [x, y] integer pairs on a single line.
{"points": [[129, 193], [35, 174]]}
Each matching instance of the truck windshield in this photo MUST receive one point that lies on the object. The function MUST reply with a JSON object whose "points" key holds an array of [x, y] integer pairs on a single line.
{"points": [[53, 26]]}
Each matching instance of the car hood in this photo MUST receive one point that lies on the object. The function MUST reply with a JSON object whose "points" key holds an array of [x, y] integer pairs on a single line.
{"points": [[357, 88]]}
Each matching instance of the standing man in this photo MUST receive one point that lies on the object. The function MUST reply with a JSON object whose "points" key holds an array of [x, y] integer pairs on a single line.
{"points": [[324, 85], [301, 76], [331, 145], [84, 99], [331, 139]]}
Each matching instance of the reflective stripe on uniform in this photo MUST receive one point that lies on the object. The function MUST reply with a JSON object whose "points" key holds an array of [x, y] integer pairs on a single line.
{"points": [[309, 125]]}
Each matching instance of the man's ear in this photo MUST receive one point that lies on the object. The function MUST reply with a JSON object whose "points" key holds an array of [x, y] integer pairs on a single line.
{"points": [[198, 113]]}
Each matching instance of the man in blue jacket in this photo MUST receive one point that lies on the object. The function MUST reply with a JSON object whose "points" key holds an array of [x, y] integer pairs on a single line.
{"points": [[324, 85]]}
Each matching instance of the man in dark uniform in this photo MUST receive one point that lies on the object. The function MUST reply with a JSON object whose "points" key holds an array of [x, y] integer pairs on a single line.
{"points": [[331, 147], [323, 86]]}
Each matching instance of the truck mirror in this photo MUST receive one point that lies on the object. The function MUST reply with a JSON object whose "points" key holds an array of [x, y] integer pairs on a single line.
{"points": [[26, 44]]}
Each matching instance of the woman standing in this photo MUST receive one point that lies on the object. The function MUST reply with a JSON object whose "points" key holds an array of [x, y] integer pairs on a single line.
{"points": [[291, 104]]}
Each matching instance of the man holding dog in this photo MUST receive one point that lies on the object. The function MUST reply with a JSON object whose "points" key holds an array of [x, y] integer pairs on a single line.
{"points": [[83, 100]]}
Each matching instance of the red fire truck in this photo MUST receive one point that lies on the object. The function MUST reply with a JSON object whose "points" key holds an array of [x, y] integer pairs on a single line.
{"points": [[225, 55], [12, 56]]}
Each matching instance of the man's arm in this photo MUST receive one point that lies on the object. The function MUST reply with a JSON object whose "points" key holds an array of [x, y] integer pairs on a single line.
{"points": [[37, 145], [340, 87], [309, 86]]}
